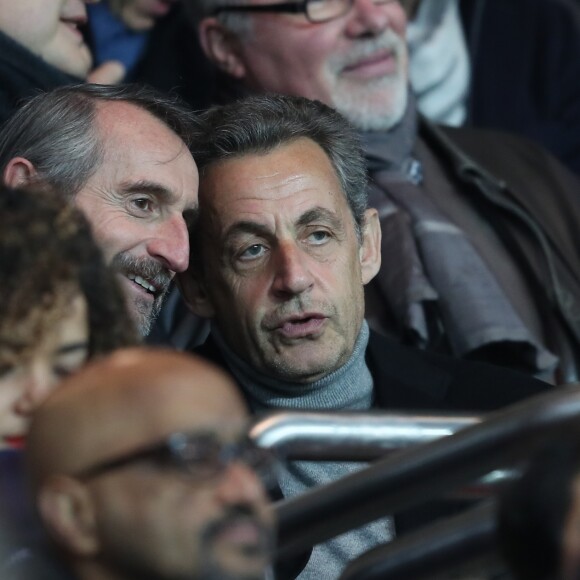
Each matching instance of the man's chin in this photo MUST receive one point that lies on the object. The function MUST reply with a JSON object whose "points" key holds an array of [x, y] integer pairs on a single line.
{"points": [[144, 315], [235, 565], [374, 110], [302, 368], [145, 318]]}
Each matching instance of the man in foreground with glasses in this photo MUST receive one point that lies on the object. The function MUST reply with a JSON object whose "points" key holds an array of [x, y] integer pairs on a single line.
{"points": [[140, 469], [480, 247]]}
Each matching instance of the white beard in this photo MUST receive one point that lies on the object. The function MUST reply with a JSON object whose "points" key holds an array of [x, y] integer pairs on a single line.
{"points": [[376, 105]]}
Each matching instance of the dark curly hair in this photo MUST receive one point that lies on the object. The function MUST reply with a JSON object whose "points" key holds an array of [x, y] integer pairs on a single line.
{"points": [[46, 249]]}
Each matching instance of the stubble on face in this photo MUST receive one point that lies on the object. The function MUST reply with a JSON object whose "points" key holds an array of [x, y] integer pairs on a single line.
{"points": [[377, 104], [145, 310], [299, 324], [246, 559]]}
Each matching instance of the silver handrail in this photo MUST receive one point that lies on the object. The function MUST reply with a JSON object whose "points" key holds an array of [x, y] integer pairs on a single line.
{"points": [[423, 472], [364, 436], [351, 436]]}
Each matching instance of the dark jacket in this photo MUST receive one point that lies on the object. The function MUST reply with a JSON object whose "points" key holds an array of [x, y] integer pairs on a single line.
{"points": [[23, 74], [533, 203], [35, 564], [409, 379], [525, 57]]}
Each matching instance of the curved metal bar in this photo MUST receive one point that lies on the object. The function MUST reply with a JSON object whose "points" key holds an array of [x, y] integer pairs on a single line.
{"points": [[351, 436], [424, 472], [364, 436], [460, 543]]}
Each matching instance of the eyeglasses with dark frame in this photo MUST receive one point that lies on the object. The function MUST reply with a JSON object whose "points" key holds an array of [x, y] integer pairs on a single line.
{"points": [[316, 11], [200, 456]]}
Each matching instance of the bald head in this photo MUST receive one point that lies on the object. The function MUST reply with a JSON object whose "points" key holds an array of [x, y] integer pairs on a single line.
{"points": [[126, 401], [131, 475]]}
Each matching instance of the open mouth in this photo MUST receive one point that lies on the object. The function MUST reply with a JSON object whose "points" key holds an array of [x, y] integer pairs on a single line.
{"points": [[73, 25], [144, 284], [301, 327]]}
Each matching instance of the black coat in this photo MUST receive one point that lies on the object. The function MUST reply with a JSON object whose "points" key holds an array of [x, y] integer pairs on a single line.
{"points": [[525, 57], [23, 74], [409, 379]]}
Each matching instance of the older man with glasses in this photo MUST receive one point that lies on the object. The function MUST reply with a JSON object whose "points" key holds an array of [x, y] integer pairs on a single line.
{"points": [[140, 469], [480, 252]]}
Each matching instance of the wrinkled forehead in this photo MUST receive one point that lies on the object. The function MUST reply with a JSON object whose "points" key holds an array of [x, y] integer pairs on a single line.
{"points": [[289, 180]]}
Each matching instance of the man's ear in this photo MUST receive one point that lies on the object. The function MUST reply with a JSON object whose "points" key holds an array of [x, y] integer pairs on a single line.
{"points": [[68, 513], [370, 250], [222, 47], [18, 172], [194, 294]]}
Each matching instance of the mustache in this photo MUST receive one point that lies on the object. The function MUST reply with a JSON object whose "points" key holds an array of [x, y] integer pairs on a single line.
{"points": [[146, 268], [235, 514], [367, 47]]}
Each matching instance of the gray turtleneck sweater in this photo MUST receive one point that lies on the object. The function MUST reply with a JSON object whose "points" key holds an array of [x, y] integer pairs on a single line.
{"points": [[348, 388]]}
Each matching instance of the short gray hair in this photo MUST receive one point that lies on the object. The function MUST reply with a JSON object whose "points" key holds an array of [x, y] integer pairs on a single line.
{"points": [[261, 123], [57, 133]]}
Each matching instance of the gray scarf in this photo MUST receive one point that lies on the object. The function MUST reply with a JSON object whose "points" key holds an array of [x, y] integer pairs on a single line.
{"points": [[431, 264]]}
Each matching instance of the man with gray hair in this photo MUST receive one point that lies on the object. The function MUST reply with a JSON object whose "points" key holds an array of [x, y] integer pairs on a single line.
{"points": [[122, 155], [480, 247], [281, 252]]}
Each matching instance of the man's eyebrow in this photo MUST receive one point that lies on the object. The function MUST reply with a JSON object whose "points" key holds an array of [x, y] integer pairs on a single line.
{"points": [[314, 214], [247, 227], [320, 214], [147, 187]]}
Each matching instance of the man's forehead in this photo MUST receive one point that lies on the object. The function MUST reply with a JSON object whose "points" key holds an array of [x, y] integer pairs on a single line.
{"points": [[120, 120], [129, 402], [248, 173], [298, 173], [143, 155]]}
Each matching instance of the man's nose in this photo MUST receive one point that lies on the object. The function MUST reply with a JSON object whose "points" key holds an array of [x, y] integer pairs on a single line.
{"points": [[292, 270], [170, 244], [367, 17], [239, 484]]}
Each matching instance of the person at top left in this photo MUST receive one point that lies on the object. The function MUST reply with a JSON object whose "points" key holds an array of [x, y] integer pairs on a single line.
{"points": [[42, 47]]}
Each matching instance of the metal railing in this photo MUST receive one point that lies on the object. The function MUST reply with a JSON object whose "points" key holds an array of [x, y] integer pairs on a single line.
{"points": [[423, 472], [364, 436], [352, 436]]}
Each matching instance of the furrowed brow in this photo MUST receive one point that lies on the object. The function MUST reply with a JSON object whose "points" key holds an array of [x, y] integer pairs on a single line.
{"points": [[246, 227], [148, 187], [321, 214]]}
